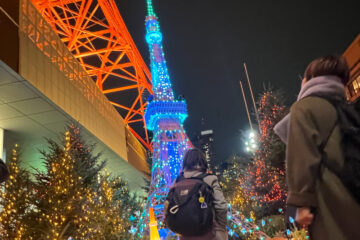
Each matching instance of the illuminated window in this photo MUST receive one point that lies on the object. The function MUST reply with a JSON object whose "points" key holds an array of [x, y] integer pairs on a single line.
{"points": [[354, 87], [355, 84]]}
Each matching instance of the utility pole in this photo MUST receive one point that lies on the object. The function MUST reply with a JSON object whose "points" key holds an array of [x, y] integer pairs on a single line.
{"points": [[246, 105], [252, 96]]}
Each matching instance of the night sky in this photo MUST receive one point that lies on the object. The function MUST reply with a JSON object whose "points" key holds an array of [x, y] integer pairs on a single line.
{"points": [[207, 41]]}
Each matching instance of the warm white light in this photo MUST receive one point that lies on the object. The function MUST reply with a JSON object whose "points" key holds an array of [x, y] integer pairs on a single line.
{"points": [[252, 134], [251, 143]]}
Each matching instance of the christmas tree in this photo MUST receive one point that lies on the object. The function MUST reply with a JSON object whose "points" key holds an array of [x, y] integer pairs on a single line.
{"points": [[15, 200], [87, 164], [58, 191], [231, 184], [105, 218], [74, 200], [64, 189], [265, 181]]}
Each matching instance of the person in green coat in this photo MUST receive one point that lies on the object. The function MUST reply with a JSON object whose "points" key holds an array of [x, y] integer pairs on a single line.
{"points": [[324, 204]]}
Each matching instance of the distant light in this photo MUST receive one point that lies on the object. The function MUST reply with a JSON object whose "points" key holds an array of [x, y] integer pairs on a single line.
{"points": [[207, 132], [252, 134], [251, 143]]}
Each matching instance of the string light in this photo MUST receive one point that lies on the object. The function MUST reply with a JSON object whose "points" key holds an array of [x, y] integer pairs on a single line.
{"points": [[15, 199], [260, 185], [165, 117]]}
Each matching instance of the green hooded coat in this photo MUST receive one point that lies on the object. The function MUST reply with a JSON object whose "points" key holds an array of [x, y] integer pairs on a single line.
{"points": [[313, 121]]}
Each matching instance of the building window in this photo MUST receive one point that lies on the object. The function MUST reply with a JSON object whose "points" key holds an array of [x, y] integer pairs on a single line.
{"points": [[354, 87], [356, 84]]}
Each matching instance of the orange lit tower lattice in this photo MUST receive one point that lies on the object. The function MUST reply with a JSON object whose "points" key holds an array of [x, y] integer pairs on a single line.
{"points": [[94, 31]]}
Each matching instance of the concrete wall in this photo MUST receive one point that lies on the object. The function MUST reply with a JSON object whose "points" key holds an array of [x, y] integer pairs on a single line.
{"points": [[352, 56]]}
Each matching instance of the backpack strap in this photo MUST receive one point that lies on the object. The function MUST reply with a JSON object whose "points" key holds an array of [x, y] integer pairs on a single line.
{"points": [[335, 103], [180, 177], [204, 175], [199, 177]]}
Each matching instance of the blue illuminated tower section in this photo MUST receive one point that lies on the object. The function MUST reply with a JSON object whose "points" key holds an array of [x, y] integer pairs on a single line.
{"points": [[164, 116]]}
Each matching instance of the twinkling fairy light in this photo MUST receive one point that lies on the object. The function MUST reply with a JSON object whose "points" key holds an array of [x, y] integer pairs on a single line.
{"points": [[164, 116], [14, 200]]}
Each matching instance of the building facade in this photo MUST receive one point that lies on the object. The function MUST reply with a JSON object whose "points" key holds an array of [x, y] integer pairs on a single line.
{"points": [[352, 56], [205, 140], [43, 88], [206, 144]]}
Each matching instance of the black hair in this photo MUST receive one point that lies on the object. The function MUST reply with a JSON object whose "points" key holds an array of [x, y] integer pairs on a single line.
{"points": [[194, 159]]}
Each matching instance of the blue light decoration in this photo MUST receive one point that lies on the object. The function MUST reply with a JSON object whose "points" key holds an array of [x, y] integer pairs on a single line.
{"points": [[164, 116]]}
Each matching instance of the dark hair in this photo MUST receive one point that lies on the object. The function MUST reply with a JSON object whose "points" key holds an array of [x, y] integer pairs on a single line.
{"points": [[329, 65], [194, 159]]}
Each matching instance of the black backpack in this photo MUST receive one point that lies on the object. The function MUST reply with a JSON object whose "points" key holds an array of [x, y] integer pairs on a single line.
{"points": [[349, 123], [190, 210]]}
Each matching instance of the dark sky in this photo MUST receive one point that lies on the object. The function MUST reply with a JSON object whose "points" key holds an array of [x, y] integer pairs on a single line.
{"points": [[207, 41]]}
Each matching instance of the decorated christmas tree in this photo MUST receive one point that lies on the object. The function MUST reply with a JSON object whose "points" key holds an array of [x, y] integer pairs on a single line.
{"points": [[64, 190], [107, 216], [58, 191], [87, 163], [265, 181], [15, 200], [71, 199], [231, 183]]}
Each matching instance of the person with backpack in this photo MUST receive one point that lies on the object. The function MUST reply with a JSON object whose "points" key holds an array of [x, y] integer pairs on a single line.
{"points": [[195, 207], [323, 153]]}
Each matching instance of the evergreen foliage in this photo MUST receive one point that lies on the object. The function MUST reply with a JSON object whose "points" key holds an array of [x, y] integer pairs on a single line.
{"points": [[15, 200], [265, 181], [72, 199]]}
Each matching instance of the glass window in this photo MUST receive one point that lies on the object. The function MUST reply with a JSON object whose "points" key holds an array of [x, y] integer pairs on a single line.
{"points": [[355, 86]]}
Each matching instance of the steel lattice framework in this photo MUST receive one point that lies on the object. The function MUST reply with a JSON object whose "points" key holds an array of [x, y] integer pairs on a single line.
{"points": [[95, 33], [164, 117]]}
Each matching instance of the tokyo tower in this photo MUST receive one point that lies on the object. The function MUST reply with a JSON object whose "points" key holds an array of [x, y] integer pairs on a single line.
{"points": [[164, 116]]}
